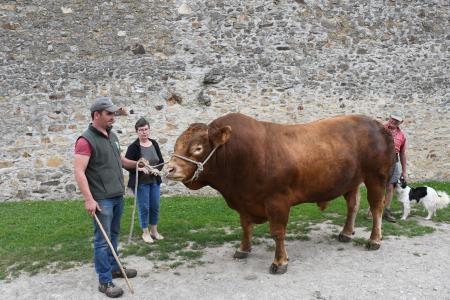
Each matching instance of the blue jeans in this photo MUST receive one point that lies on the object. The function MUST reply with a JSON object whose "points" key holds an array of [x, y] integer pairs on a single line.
{"points": [[148, 203], [105, 263]]}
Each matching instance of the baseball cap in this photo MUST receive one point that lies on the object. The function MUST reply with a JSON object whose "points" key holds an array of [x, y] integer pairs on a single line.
{"points": [[397, 116], [103, 103]]}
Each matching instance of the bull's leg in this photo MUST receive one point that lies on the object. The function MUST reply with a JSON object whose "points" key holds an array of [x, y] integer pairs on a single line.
{"points": [[375, 196], [353, 199], [278, 219], [280, 262], [246, 239]]}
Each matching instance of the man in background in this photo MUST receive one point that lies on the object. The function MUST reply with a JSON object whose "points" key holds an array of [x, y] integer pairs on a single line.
{"points": [[399, 169]]}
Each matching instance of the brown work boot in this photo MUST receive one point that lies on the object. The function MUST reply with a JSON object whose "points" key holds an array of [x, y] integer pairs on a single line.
{"points": [[388, 216], [110, 290], [131, 273]]}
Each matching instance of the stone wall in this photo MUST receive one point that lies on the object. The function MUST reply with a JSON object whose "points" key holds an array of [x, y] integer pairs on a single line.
{"points": [[178, 62]]}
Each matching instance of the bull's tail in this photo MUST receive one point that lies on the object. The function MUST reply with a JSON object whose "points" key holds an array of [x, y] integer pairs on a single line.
{"points": [[443, 199]]}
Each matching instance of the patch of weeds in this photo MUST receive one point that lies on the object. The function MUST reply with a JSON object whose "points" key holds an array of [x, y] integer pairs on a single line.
{"points": [[303, 237], [175, 264], [270, 247], [290, 237], [196, 246], [195, 263], [163, 256], [297, 237], [65, 265], [358, 241], [190, 254], [254, 242], [409, 228]]}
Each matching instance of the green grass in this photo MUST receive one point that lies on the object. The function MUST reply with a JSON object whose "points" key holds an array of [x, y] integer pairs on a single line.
{"points": [[57, 235]]}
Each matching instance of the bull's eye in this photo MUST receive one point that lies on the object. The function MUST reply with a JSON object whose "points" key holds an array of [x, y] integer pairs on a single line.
{"points": [[197, 149]]}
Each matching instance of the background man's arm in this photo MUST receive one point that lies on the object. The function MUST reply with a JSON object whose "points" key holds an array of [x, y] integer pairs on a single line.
{"points": [[403, 159]]}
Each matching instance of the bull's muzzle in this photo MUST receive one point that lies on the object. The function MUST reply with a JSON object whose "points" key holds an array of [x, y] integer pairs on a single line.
{"points": [[174, 172]]}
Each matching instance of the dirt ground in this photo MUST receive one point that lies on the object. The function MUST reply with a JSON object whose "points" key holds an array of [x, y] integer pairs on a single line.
{"points": [[320, 268]]}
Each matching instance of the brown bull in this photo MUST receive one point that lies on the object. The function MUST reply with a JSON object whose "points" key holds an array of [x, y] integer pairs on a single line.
{"points": [[262, 169]]}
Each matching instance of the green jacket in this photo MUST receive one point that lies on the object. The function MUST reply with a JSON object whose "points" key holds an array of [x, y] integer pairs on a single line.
{"points": [[104, 170]]}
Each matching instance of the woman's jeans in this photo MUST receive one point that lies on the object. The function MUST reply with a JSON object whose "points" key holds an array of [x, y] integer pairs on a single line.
{"points": [[148, 203], [105, 263]]}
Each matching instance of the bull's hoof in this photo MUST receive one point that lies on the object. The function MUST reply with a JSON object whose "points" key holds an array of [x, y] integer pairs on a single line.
{"points": [[343, 238], [241, 254], [373, 246], [281, 269]]}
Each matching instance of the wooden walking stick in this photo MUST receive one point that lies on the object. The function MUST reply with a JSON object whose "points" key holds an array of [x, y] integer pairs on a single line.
{"points": [[134, 205], [114, 253]]}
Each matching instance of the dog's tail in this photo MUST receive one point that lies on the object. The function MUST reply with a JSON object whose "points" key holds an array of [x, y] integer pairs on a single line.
{"points": [[443, 199]]}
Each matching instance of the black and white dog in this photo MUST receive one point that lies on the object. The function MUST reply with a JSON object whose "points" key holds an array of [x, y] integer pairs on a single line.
{"points": [[428, 197]]}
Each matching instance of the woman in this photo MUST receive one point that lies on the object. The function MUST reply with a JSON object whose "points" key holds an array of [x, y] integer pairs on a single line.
{"points": [[148, 194]]}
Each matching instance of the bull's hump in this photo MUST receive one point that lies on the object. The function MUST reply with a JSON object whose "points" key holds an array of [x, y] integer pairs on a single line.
{"points": [[235, 120], [235, 117]]}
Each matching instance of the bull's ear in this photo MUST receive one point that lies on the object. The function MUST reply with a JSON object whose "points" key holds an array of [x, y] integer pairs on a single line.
{"points": [[219, 136]]}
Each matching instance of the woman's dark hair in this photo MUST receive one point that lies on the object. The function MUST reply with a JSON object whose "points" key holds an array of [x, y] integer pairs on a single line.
{"points": [[141, 123]]}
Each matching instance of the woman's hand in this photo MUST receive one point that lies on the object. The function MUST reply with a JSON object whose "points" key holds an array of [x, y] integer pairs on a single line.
{"points": [[144, 170]]}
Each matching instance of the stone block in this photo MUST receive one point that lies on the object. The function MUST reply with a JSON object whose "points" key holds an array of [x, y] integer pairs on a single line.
{"points": [[6, 164], [55, 162], [56, 128]]}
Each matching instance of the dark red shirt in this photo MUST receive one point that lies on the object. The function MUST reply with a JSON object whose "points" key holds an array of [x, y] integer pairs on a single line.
{"points": [[83, 147]]}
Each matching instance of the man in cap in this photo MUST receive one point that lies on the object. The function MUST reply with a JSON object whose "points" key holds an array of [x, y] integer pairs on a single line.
{"points": [[399, 169], [98, 172]]}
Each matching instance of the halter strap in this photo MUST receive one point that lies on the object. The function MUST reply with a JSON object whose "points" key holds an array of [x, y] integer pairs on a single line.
{"points": [[198, 164]]}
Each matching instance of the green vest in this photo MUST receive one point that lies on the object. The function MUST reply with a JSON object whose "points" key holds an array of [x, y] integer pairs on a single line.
{"points": [[104, 170]]}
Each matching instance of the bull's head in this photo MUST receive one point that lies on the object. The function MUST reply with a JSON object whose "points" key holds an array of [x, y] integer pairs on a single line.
{"points": [[192, 148]]}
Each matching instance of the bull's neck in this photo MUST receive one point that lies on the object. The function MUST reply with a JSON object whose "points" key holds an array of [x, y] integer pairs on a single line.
{"points": [[218, 173]]}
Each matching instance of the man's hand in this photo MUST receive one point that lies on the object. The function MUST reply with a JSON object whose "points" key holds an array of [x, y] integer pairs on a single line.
{"points": [[80, 165], [142, 162], [404, 176], [91, 207]]}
